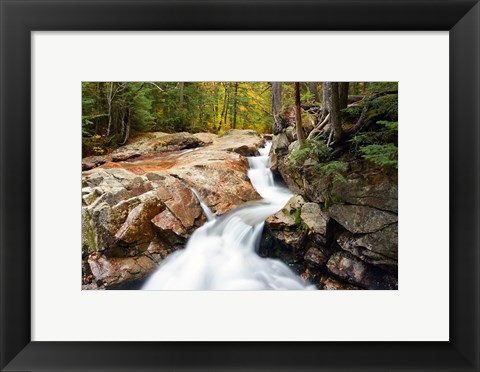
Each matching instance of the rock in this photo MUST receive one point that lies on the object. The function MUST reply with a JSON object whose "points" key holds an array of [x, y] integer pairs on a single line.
{"points": [[315, 257], [167, 223], [316, 188], [137, 227], [291, 133], [361, 219], [206, 138], [329, 284], [364, 184], [280, 144], [349, 268], [90, 162], [379, 248], [243, 142], [285, 233], [369, 185], [156, 142], [315, 219], [240, 132], [135, 212], [291, 176], [89, 240], [111, 272]]}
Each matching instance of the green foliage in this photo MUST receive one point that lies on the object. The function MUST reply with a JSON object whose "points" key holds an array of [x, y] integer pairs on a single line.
{"points": [[379, 146], [298, 156], [383, 155], [315, 148], [351, 113], [386, 134], [306, 96], [382, 86], [296, 215], [171, 107], [386, 106], [389, 125], [334, 169]]}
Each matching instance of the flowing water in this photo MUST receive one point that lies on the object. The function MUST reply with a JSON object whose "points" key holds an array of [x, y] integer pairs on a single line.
{"points": [[221, 255]]}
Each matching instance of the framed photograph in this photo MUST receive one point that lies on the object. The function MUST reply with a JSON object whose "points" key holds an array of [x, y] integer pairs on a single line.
{"points": [[239, 185]]}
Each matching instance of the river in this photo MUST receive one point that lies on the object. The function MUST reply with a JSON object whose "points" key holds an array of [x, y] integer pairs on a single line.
{"points": [[222, 254]]}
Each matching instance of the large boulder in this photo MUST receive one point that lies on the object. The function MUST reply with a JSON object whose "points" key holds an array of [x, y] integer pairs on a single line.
{"points": [[353, 270], [380, 247], [298, 235], [284, 233], [363, 184], [314, 218], [361, 219], [157, 142]]}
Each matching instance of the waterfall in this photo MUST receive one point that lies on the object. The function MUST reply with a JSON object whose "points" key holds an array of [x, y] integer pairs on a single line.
{"points": [[221, 255]]}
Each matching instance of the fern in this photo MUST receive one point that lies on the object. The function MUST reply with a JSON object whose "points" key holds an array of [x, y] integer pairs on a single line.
{"points": [[389, 125], [383, 155], [334, 169]]}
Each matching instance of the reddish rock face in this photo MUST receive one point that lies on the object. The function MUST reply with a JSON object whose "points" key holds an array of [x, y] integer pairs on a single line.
{"points": [[138, 206]]}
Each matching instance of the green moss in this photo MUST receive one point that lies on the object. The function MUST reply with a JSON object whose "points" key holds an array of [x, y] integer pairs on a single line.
{"points": [[89, 243], [90, 198], [296, 215]]}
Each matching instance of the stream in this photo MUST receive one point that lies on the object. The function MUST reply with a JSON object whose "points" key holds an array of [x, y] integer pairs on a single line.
{"points": [[222, 254]]}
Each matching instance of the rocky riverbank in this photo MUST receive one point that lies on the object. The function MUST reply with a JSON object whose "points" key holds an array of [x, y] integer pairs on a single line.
{"points": [[337, 232], [138, 205]]}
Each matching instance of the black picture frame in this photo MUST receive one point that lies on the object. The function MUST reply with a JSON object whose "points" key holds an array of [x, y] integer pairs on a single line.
{"points": [[18, 18]]}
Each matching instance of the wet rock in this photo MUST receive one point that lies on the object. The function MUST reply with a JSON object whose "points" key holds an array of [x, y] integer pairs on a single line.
{"points": [[327, 283], [286, 231], [361, 219], [110, 272], [314, 257], [351, 269]]}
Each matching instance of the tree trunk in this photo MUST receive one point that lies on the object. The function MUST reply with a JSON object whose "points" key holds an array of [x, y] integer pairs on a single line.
{"points": [[235, 98], [298, 115], [313, 89], [215, 103], [276, 106], [336, 120], [224, 108], [109, 101], [180, 103], [126, 127], [343, 95], [227, 103], [325, 99]]}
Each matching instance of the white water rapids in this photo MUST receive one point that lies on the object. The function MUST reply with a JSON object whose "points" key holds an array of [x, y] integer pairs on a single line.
{"points": [[221, 255]]}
